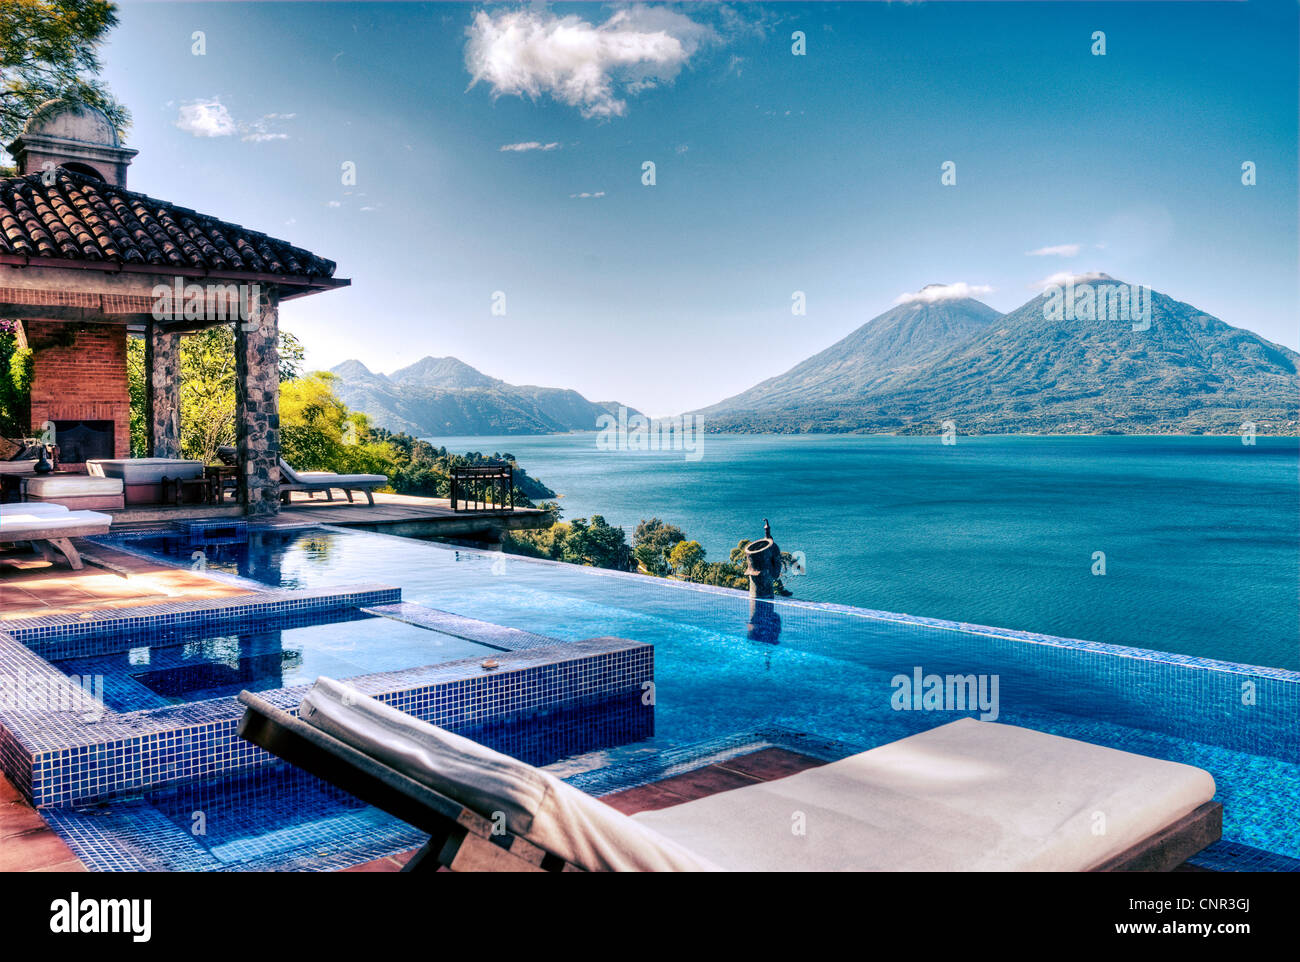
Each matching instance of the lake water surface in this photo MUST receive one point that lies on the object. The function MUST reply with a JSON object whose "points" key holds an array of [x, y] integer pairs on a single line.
{"points": [[1201, 536]]}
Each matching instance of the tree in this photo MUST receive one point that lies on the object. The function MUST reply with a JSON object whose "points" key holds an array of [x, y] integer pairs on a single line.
{"points": [[684, 557], [319, 433], [208, 385], [15, 384], [597, 544], [49, 50], [654, 540]]}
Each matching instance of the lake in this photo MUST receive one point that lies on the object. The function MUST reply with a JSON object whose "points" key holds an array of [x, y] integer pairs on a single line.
{"points": [[1199, 535]]}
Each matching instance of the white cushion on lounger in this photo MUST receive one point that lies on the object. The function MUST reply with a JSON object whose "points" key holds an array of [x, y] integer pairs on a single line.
{"points": [[966, 796], [38, 508], [73, 486], [21, 525], [321, 477], [534, 803]]}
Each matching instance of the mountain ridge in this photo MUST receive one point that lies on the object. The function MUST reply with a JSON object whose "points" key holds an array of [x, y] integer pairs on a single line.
{"points": [[1028, 372], [438, 396]]}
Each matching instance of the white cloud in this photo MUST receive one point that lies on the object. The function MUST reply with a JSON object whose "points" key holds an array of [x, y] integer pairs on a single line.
{"points": [[1061, 278], [335, 203], [210, 118], [530, 145], [943, 292], [1060, 250], [206, 118], [584, 194], [260, 130], [531, 53]]}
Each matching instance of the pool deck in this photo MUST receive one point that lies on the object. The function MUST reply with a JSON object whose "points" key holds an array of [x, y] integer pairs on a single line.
{"points": [[31, 586], [27, 843], [398, 514]]}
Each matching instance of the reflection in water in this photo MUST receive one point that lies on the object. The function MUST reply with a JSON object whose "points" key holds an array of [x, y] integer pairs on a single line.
{"points": [[764, 623]]}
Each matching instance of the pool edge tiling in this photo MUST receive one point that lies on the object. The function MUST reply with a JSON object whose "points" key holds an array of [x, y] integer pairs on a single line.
{"points": [[60, 746]]}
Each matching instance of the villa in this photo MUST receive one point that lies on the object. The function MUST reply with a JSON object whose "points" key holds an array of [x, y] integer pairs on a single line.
{"points": [[199, 671]]}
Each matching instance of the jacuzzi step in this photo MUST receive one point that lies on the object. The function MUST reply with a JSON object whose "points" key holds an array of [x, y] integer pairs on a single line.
{"points": [[213, 530], [459, 626]]}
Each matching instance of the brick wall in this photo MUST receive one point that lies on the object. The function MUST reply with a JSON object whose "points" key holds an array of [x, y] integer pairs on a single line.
{"points": [[83, 382]]}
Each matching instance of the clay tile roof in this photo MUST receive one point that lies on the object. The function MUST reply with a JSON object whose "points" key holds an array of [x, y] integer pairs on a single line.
{"points": [[82, 219]]}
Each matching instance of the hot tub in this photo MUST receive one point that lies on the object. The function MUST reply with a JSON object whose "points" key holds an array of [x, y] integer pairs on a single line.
{"points": [[143, 477]]}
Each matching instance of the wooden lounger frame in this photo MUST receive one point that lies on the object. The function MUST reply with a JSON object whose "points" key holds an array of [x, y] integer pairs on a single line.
{"points": [[365, 487], [53, 542], [229, 456], [464, 841], [460, 839]]}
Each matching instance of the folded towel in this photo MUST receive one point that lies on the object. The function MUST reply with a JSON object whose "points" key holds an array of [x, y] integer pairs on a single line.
{"points": [[531, 802]]}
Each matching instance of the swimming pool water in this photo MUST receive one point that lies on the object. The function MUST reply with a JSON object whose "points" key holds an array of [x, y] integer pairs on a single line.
{"points": [[194, 665], [829, 672]]}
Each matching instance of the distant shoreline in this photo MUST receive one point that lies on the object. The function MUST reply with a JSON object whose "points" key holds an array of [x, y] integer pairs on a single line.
{"points": [[444, 438]]}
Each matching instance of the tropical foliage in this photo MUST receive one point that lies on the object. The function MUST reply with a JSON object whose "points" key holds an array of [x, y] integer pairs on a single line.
{"points": [[15, 383], [49, 50], [318, 432], [208, 384], [595, 543], [658, 548]]}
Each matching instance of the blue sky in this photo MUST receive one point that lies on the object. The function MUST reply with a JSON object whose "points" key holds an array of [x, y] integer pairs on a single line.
{"points": [[775, 173]]}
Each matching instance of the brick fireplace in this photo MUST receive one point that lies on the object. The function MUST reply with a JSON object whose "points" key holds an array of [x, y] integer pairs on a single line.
{"points": [[79, 382]]}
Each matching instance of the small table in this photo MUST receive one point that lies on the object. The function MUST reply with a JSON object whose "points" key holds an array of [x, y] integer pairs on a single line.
{"points": [[188, 490], [224, 477]]}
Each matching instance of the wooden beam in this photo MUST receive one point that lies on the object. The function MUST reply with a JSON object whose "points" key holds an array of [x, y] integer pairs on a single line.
{"points": [[1171, 846]]}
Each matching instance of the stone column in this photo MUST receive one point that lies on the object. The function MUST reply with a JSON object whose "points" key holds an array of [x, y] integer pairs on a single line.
{"points": [[162, 366], [257, 408]]}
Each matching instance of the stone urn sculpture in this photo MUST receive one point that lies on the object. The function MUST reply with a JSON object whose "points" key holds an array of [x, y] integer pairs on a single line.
{"points": [[763, 567], [763, 559]]}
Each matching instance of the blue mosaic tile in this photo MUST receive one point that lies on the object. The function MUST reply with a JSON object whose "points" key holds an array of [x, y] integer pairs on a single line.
{"points": [[61, 752], [278, 818], [471, 629]]}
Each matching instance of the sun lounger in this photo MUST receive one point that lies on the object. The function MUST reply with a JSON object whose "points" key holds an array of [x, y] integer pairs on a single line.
{"points": [[50, 528], [328, 481], [968, 795], [314, 481]]}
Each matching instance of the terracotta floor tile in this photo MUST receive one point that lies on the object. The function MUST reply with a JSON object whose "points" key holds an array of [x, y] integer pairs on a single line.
{"points": [[18, 818], [378, 865], [35, 850], [70, 865], [771, 763], [29, 585], [644, 798], [706, 781], [15, 597]]}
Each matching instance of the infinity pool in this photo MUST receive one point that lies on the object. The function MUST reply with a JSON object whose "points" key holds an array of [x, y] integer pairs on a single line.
{"points": [[186, 666], [723, 670]]}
